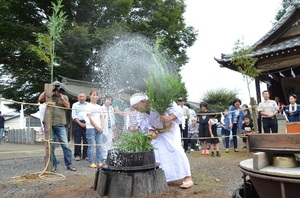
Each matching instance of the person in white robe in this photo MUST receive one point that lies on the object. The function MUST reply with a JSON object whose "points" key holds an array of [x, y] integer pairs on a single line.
{"points": [[168, 150], [109, 126]]}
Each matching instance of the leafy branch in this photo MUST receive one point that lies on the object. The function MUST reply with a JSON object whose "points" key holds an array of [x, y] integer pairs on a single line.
{"points": [[163, 86], [45, 48], [134, 142], [245, 62]]}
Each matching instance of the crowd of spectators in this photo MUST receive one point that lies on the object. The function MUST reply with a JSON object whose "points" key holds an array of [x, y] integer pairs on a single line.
{"points": [[102, 125]]}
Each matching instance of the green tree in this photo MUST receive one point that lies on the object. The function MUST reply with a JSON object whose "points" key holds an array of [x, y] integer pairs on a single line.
{"points": [[281, 11], [91, 25], [163, 18], [26, 73], [245, 62], [219, 99]]}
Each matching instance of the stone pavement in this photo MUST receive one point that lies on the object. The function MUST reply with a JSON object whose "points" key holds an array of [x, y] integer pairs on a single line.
{"points": [[15, 151]]}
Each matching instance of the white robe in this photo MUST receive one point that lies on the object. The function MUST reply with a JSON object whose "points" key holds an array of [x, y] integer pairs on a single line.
{"points": [[168, 150], [107, 132]]}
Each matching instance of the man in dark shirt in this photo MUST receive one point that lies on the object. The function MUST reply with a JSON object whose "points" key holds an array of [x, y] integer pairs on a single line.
{"points": [[247, 128], [2, 120], [203, 127]]}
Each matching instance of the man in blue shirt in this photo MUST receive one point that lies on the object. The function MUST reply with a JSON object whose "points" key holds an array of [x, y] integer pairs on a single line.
{"points": [[79, 127], [2, 120]]}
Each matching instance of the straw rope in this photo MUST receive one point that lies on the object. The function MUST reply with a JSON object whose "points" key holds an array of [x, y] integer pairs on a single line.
{"points": [[51, 104], [44, 174]]}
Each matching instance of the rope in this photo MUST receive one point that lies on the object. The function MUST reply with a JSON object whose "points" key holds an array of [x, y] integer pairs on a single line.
{"points": [[44, 174], [45, 177], [51, 104]]}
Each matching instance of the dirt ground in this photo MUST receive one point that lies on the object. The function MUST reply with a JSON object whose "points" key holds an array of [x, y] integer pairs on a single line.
{"points": [[214, 177]]}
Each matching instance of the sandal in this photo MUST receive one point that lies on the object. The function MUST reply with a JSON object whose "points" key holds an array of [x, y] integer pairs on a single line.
{"points": [[186, 185], [71, 168]]}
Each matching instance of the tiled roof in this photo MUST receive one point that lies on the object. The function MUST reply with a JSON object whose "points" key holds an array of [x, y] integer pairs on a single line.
{"points": [[13, 114], [74, 87], [287, 44], [291, 43], [289, 11]]}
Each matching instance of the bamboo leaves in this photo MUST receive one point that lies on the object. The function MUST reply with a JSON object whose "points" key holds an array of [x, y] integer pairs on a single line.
{"points": [[163, 86], [45, 48], [134, 142]]}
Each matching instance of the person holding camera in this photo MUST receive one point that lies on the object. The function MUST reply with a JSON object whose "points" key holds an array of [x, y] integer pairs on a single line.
{"points": [[79, 127], [59, 122]]}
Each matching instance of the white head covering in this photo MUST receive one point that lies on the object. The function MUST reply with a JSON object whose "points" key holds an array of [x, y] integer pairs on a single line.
{"points": [[138, 98]]}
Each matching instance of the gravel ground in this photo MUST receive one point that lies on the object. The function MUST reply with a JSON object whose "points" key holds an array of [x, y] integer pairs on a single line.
{"points": [[30, 185], [213, 176]]}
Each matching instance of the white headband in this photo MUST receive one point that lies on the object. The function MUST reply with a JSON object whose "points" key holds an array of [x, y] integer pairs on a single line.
{"points": [[136, 99]]}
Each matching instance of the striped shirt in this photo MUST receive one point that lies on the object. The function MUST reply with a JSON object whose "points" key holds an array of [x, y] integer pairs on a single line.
{"points": [[131, 118]]}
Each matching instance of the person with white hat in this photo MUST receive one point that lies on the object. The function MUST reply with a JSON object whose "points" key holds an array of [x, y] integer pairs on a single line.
{"points": [[168, 150]]}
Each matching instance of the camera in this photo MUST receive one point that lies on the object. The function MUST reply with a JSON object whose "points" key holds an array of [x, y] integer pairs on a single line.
{"points": [[58, 89]]}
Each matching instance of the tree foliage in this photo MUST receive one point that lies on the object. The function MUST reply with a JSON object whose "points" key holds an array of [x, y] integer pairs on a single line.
{"points": [[91, 24], [245, 62], [45, 47], [282, 10], [219, 99]]}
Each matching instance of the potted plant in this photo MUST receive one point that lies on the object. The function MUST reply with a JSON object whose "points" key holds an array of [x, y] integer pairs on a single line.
{"points": [[132, 149]]}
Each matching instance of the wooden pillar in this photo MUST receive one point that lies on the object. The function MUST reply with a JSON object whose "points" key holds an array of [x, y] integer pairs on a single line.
{"points": [[258, 94], [48, 118], [254, 113]]}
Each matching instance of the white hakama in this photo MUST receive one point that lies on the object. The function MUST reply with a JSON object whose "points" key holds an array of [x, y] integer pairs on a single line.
{"points": [[168, 150], [109, 122]]}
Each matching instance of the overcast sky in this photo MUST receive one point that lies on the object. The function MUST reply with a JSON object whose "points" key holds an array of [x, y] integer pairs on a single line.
{"points": [[220, 23]]}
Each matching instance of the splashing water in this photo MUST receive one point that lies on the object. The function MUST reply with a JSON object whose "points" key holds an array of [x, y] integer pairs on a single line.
{"points": [[125, 63]]}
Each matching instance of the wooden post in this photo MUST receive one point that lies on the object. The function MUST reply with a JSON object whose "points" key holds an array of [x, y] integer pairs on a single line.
{"points": [[258, 93], [261, 160], [253, 107], [48, 89], [247, 145]]}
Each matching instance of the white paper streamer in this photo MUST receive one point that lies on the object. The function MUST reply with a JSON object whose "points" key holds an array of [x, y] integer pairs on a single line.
{"points": [[268, 83], [292, 73], [281, 75]]}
